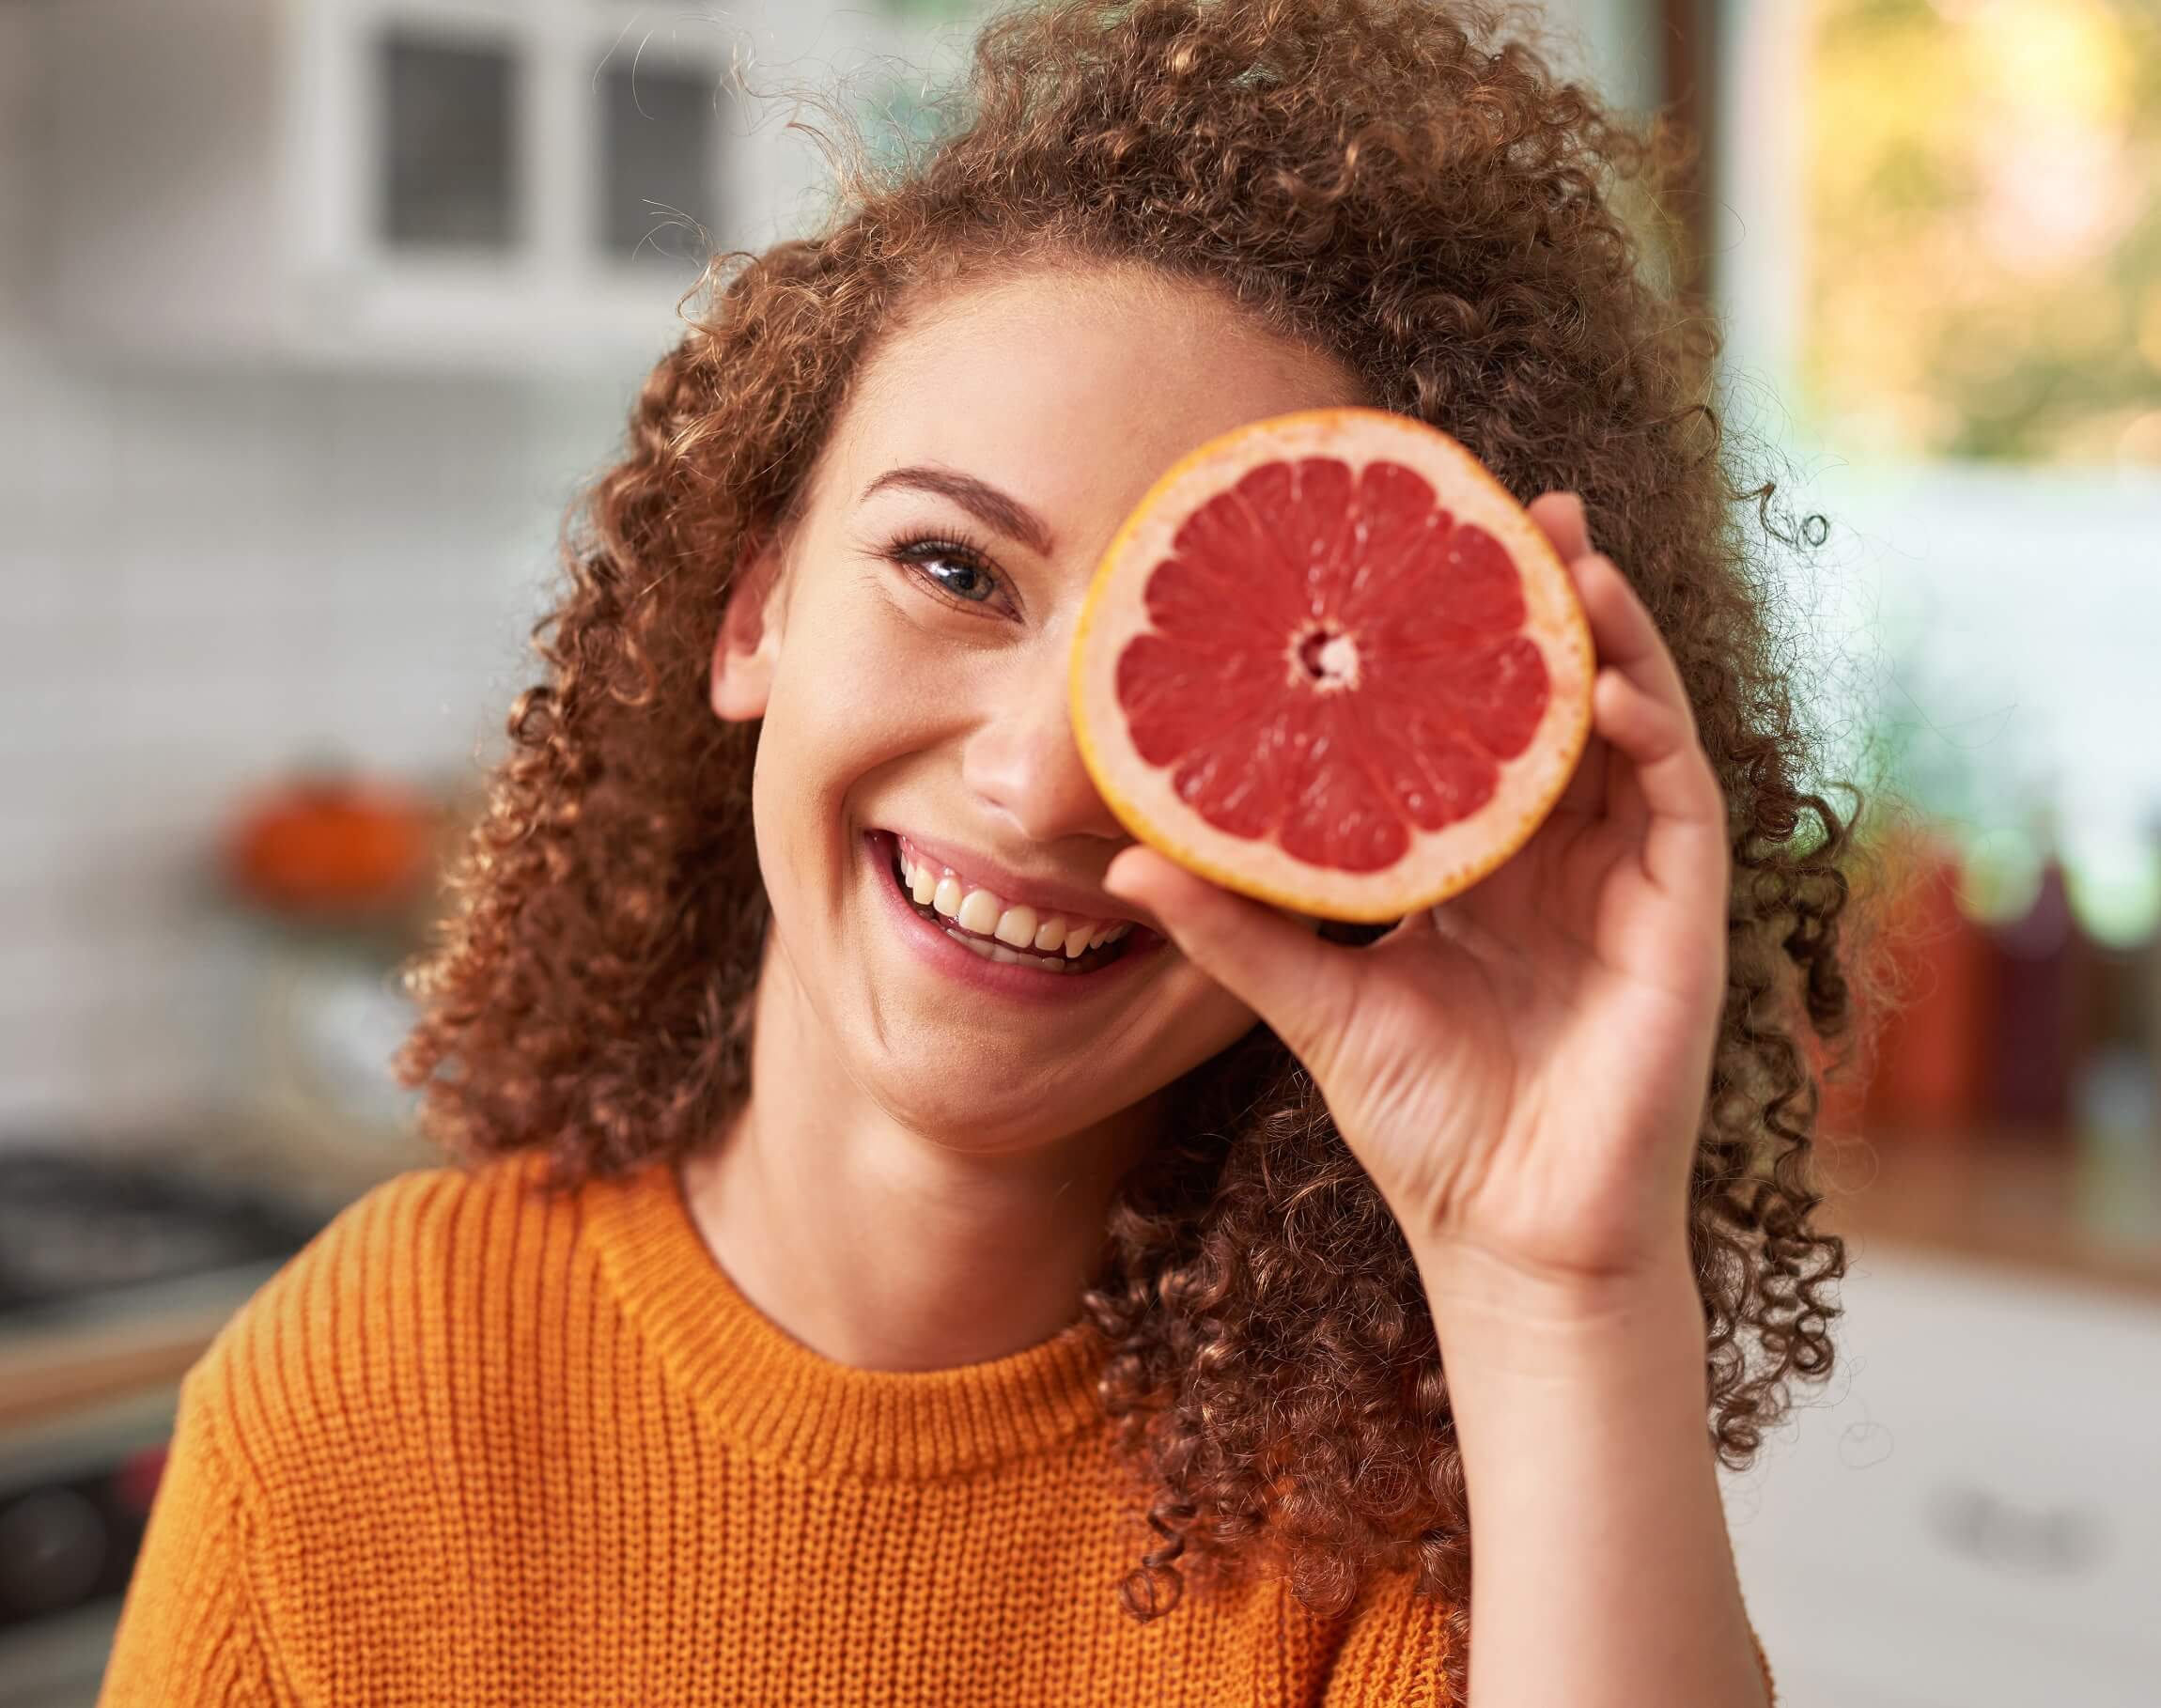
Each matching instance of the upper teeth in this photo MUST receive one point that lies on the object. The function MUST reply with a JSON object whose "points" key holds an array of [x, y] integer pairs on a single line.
{"points": [[972, 908]]}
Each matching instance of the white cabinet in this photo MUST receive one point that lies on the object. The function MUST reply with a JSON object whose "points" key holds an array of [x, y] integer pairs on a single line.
{"points": [[525, 184], [1969, 1514]]}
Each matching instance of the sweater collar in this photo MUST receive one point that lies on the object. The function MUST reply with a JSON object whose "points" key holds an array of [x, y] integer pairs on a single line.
{"points": [[784, 1401]]}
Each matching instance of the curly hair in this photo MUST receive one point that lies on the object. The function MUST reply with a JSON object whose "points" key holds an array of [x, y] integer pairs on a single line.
{"points": [[1394, 184]]}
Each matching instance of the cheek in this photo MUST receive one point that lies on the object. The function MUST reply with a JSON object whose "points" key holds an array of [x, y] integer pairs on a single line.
{"points": [[857, 689]]}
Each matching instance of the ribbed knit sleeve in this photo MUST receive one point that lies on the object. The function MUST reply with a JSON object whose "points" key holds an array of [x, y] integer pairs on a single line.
{"points": [[1394, 1652], [188, 1636]]}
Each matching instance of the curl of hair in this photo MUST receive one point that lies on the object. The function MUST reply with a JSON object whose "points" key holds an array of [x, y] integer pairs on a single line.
{"points": [[1399, 187]]}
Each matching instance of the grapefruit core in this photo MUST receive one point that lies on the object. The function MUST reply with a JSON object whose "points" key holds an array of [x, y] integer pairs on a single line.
{"points": [[1329, 663]]}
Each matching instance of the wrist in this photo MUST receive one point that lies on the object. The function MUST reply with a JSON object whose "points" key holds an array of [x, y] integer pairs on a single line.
{"points": [[1481, 1301]]}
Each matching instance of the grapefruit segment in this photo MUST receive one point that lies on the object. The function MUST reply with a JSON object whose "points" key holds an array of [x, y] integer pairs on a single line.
{"points": [[1329, 663], [1209, 611]]}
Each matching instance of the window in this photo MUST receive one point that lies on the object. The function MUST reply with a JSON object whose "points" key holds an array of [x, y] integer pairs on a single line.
{"points": [[1983, 266], [1939, 261]]}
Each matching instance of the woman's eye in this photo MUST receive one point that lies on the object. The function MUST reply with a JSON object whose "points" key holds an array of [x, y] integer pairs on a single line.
{"points": [[951, 568], [966, 579]]}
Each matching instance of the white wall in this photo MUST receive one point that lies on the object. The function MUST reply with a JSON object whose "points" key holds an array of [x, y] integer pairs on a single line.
{"points": [[206, 576]]}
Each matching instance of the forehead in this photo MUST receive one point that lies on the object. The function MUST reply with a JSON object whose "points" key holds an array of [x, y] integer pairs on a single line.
{"points": [[1073, 394]]}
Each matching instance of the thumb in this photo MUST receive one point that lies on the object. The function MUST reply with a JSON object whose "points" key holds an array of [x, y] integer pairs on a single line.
{"points": [[1269, 960]]}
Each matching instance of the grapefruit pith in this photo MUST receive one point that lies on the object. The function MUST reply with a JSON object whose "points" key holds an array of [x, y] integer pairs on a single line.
{"points": [[1329, 662]]}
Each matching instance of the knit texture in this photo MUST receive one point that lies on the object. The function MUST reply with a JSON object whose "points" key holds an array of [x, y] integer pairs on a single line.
{"points": [[474, 1447]]}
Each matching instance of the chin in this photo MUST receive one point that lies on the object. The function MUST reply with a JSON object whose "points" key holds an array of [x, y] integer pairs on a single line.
{"points": [[959, 1112]]}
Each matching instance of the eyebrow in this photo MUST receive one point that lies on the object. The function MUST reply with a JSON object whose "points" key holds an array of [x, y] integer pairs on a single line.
{"points": [[999, 510]]}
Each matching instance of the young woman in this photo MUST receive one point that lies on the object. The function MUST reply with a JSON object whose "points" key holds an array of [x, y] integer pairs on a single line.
{"points": [[816, 1310]]}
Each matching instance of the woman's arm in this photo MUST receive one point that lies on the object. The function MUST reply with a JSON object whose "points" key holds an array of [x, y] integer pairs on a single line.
{"points": [[187, 1636], [1601, 1574], [1523, 1071]]}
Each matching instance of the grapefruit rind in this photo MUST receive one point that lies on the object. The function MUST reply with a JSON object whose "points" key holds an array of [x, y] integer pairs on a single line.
{"points": [[1440, 864]]}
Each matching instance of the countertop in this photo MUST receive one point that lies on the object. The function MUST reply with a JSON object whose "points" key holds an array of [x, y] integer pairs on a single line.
{"points": [[2025, 1202]]}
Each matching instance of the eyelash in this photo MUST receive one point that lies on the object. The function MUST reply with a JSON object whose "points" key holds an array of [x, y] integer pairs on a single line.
{"points": [[915, 550]]}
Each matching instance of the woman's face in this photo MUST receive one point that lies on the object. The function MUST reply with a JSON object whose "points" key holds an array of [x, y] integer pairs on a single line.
{"points": [[910, 668]]}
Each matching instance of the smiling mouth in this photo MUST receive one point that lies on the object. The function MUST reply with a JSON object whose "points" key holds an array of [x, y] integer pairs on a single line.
{"points": [[1091, 960]]}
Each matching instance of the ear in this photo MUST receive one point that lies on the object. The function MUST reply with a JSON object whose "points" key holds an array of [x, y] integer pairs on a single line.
{"points": [[747, 646]]}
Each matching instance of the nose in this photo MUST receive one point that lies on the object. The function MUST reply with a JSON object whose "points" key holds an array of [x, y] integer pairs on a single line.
{"points": [[1023, 761]]}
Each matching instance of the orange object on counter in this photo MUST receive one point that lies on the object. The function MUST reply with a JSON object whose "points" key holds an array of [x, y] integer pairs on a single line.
{"points": [[333, 842]]}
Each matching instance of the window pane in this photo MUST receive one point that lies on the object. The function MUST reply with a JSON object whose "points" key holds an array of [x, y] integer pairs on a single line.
{"points": [[658, 196], [449, 130]]}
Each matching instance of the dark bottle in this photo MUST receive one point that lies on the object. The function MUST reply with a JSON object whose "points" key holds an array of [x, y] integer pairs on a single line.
{"points": [[2041, 980]]}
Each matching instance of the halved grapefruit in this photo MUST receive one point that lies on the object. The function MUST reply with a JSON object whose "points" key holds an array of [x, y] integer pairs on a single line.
{"points": [[1329, 662]]}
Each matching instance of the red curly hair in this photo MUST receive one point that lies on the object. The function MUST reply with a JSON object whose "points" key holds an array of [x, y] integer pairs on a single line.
{"points": [[1390, 183]]}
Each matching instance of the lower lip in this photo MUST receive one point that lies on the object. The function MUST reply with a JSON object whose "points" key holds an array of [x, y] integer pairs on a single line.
{"points": [[999, 977]]}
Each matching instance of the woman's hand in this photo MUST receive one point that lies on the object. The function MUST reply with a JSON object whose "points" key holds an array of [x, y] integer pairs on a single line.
{"points": [[1523, 1068]]}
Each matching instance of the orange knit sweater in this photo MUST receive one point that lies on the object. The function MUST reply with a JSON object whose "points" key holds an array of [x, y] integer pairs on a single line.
{"points": [[474, 1448]]}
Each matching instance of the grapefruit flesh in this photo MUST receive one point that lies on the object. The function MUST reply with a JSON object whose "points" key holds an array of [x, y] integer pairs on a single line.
{"points": [[1329, 662]]}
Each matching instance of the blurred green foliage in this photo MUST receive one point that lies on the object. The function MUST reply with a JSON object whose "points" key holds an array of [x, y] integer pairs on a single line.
{"points": [[1984, 228]]}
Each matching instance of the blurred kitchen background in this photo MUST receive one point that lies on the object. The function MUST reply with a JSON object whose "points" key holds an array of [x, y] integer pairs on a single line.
{"points": [[313, 314]]}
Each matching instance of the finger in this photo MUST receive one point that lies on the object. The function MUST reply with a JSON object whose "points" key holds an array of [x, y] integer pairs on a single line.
{"points": [[1659, 780], [1275, 965], [1663, 783], [1624, 634], [1560, 517]]}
